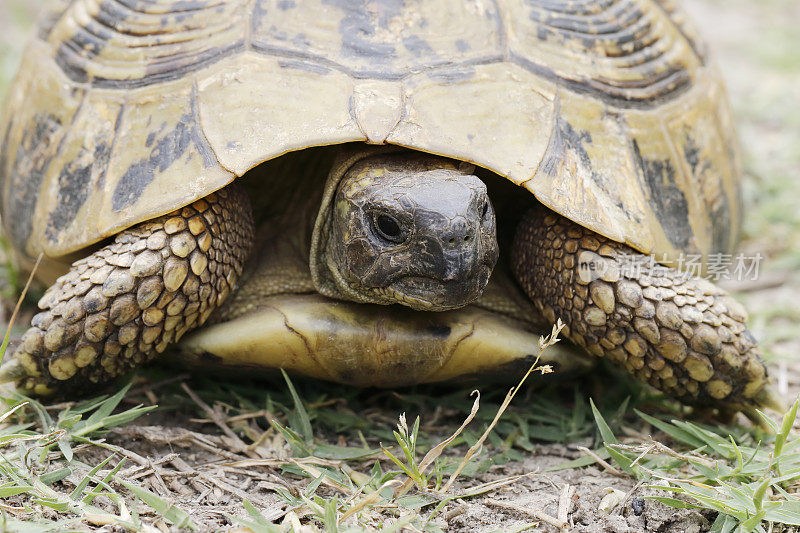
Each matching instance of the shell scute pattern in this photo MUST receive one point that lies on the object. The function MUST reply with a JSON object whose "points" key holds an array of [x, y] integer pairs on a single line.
{"points": [[82, 164], [615, 49], [668, 200], [422, 74], [389, 40], [164, 151], [128, 44], [36, 146], [46, 106], [621, 49]]}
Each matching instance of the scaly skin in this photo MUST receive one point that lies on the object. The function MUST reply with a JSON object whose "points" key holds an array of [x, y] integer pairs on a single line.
{"points": [[125, 303], [685, 337]]}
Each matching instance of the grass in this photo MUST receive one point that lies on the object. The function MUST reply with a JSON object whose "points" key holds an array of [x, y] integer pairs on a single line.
{"points": [[40, 459], [59, 472], [36, 457], [332, 487], [751, 481]]}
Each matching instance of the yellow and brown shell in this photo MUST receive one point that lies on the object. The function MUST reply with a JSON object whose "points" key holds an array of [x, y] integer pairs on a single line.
{"points": [[607, 111]]}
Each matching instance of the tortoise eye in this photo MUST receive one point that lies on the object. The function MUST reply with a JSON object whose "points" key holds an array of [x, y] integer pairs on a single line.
{"points": [[388, 228]]}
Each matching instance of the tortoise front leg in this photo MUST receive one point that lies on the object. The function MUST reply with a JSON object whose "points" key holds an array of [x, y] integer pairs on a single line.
{"points": [[685, 337], [125, 303]]}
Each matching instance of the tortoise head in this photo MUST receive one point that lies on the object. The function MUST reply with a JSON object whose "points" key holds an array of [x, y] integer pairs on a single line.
{"points": [[412, 229]]}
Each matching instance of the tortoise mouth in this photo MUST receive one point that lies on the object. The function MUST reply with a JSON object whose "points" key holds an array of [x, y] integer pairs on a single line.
{"points": [[369, 344], [425, 293]]}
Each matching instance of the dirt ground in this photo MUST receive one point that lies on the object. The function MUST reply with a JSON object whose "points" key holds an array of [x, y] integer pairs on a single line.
{"points": [[755, 43], [503, 510]]}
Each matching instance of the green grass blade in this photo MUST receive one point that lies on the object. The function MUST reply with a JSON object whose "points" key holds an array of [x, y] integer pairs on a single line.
{"points": [[605, 430], [107, 406], [758, 497], [787, 512], [753, 522], [120, 419], [305, 430], [580, 462], [83, 483], [299, 447], [708, 438], [56, 475], [175, 515], [768, 420], [329, 518], [10, 489], [65, 448], [723, 524], [676, 433], [92, 494], [623, 461], [673, 502], [344, 453], [786, 427]]}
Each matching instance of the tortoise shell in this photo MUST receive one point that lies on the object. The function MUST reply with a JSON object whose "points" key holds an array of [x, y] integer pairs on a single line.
{"points": [[607, 111]]}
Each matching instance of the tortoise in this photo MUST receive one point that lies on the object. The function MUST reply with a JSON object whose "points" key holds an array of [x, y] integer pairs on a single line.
{"points": [[375, 193]]}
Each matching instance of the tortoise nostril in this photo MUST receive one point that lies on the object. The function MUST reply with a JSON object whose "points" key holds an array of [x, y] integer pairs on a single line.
{"points": [[459, 238]]}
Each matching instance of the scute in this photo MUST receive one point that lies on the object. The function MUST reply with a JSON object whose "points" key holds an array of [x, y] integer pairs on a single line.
{"points": [[247, 123], [46, 105], [386, 39], [159, 137], [615, 50], [606, 111], [133, 43]]}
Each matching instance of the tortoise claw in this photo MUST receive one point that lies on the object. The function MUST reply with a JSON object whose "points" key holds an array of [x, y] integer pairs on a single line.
{"points": [[12, 371], [768, 398]]}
